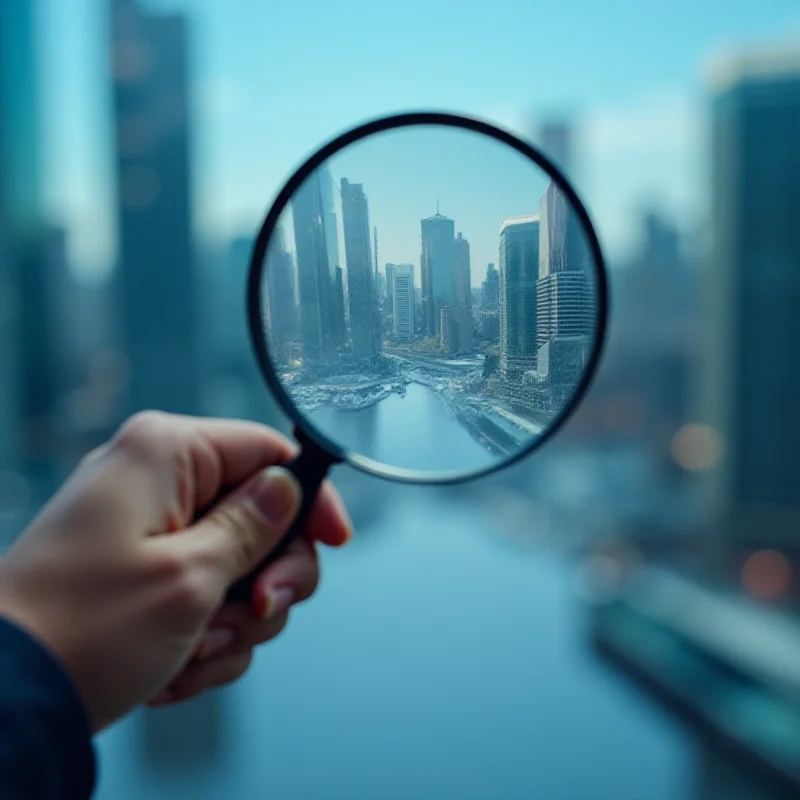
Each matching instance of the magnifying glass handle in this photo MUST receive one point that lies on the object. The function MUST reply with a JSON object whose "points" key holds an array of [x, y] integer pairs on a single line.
{"points": [[310, 467]]}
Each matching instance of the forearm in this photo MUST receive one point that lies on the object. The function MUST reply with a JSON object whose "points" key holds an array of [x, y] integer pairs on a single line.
{"points": [[45, 734]]}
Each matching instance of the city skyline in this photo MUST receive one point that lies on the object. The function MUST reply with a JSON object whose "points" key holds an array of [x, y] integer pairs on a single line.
{"points": [[416, 172], [503, 354]]}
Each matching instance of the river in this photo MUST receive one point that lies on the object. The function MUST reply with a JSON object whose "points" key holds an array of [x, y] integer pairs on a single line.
{"points": [[434, 663], [413, 431]]}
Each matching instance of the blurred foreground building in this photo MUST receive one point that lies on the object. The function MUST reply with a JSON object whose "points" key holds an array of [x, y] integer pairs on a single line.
{"points": [[749, 378], [157, 279], [715, 634], [33, 265]]}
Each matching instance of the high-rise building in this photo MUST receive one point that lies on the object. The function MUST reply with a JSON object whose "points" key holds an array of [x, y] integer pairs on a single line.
{"points": [[448, 329], [334, 283], [389, 273], [282, 304], [490, 325], [564, 302], [402, 293], [362, 298], [463, 291], [316, 281], [156, 277], [749, 380], [490, 290], [438, 269], [561, 362], [519, 270]]}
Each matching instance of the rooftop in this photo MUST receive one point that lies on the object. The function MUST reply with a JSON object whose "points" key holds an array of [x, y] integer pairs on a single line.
{"points": [[523, 219], [729, 67], [437, 215]]}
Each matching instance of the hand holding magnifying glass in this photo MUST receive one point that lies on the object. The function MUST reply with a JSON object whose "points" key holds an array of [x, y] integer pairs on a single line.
{"points": [[427, 302], [459, 350]]}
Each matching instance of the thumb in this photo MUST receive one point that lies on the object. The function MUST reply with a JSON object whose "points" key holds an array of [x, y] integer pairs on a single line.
{"points": [[242, 530]]}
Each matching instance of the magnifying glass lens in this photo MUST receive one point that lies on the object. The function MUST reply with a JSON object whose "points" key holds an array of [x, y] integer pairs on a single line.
{"points": [[430, 301]]}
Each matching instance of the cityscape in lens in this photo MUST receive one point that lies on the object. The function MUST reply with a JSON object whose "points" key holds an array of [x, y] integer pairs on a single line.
{"points": [[504, 354]]}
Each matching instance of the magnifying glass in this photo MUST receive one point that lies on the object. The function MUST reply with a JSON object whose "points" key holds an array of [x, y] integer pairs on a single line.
{"points": [[427, 302]]}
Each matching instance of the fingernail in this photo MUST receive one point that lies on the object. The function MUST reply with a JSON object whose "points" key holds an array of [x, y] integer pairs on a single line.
{"points": [[277, 600], [348, 533], [215, 640], [277, 494]]}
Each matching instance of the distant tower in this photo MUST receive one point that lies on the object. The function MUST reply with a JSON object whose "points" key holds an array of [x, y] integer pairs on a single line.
{"points": [[402, 291], [463, 293], [519, 271], [364, 313], [375, 235], [438, 270]]}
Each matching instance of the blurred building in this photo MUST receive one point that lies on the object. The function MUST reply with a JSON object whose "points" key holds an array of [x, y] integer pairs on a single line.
{"points": [[555, 137], [749, 379], [33, 264], [232, 385], [157, 280], [362, 291], [463, 295], [643, 391], [519, 271], [437, 266], [401, 292]]}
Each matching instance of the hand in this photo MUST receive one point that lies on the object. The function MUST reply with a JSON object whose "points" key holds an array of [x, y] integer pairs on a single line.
{"points": [[124, 573]]}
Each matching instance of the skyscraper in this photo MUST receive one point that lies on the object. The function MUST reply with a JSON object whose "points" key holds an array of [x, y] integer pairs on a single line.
{"points": [[156, 278], [402, 293], [564, 302], [362, 298], [282, 305], [334, 283], [519, 270], [438, 269], [750, 383], [490, 290], [463, 291], [389, 272], [448, 329], [316, 281]]}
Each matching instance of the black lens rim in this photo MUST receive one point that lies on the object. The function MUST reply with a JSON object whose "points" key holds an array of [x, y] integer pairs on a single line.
{"points": [[258, 265]]}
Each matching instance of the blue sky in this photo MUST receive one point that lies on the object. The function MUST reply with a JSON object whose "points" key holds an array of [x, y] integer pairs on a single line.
{"points": [[274, 78]]}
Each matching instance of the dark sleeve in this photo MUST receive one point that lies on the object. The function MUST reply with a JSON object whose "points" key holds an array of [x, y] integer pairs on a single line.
{"points": [[45, 734]]}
